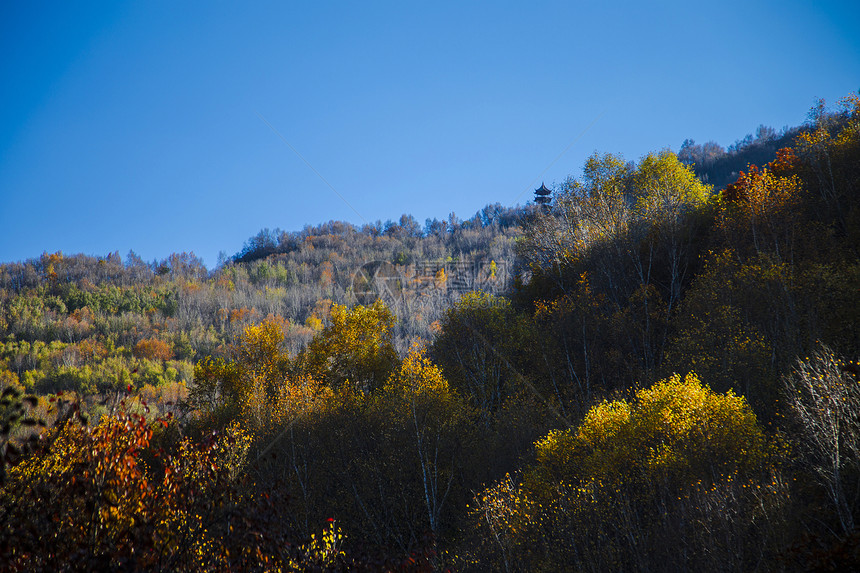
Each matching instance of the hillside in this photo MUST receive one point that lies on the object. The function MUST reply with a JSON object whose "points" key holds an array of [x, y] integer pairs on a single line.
{"points": [[653, 372], [90, 324]]}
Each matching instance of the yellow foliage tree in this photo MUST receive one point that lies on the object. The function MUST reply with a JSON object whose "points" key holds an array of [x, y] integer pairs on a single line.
{"points": [[677, 431], [356, 346], [667, 194], [831, 154], [417, 399], [258, 368], [649, 470]]}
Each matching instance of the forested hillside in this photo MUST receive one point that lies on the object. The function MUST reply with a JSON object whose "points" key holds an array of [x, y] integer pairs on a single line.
{"points": [[91, 324], [651, 372]]}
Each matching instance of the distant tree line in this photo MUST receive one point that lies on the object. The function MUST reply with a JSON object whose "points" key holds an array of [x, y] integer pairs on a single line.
{"points": [[275, 241]]}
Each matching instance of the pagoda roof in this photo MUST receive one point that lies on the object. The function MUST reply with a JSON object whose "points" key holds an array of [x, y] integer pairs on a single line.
{"points": [[542, 190]]}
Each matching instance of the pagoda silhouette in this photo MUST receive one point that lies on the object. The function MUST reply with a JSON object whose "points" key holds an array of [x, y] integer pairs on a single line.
{"points": [[542, 195]]}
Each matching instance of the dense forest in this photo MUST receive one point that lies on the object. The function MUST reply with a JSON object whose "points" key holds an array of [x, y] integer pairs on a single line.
{"points": [[654, 371]]}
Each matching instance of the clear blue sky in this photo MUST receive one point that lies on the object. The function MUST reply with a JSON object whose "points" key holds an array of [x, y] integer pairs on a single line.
{"points": [[137, 125]]}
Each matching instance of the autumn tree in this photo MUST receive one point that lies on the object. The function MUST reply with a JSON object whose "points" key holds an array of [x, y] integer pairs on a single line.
{"points": [[356, 346], [830, 150], [735, 319], [636, 481], [761, 212], [433, 420], [123, 495], [153, 349], [668, 194], [256, 368], [589, 215]]}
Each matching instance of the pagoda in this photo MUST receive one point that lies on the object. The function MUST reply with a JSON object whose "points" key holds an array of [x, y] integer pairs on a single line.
{"points": [[542, 195]]}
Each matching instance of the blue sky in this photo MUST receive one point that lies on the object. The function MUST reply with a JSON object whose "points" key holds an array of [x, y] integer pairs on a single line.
{"points": [[137, 126]]}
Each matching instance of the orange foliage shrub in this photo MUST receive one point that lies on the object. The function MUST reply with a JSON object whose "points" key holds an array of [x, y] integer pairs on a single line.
{"points": [[153, 349], [90, 349]]}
